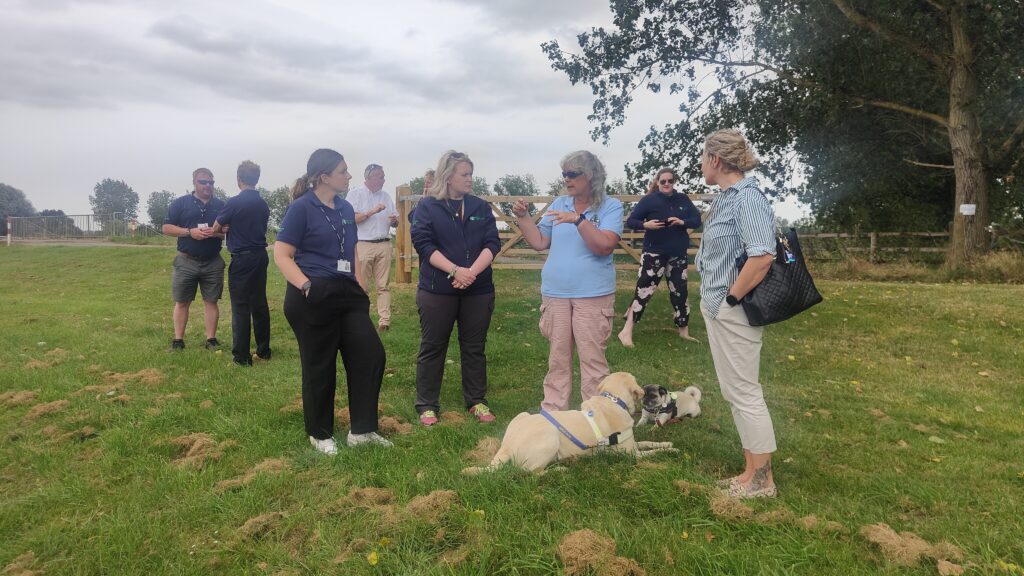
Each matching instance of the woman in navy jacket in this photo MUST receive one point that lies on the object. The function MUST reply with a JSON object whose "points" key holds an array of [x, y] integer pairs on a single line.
{"points": [[665, 215], [456, 238]]}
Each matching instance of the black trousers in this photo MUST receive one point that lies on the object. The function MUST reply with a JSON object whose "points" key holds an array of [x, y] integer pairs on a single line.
{"points": [[247, 284], [438, 315], [652, 268], [334, 318]]}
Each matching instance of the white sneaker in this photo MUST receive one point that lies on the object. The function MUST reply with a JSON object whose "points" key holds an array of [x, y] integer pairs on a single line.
{"points": [[368, 438], [327, 445]]}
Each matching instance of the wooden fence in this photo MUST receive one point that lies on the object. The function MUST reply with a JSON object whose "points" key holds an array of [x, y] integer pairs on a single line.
{"points": [[873, 244]]}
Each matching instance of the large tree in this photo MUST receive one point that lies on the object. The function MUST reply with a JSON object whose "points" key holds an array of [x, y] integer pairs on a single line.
{"points": [[515, 185], [14, 203], [57, 223], [278, 200], [869, 95], [114, 197], [157, 205]]}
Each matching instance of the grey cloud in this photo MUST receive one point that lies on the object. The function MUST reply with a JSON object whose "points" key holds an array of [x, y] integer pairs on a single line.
{"points": [[531, 15]]}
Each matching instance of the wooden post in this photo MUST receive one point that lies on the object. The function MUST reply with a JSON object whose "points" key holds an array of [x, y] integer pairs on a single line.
{"points": [[873, 249], [403, 238]]}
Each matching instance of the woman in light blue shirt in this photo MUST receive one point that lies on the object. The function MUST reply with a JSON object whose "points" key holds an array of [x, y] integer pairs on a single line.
{"points": [[740, 222], [581, 229]]}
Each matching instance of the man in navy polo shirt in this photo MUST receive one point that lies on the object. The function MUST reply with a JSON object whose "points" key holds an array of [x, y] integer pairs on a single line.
{"points": [[198, 263], [247, 215]]}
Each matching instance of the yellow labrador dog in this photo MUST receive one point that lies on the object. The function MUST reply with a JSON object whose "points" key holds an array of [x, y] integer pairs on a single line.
{"points": [[532, 441]]}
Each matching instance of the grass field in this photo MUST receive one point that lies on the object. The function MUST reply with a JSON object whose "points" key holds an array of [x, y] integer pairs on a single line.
{"points": [[893, 403]]}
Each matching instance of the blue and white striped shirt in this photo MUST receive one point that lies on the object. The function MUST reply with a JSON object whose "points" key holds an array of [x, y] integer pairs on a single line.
{"points": [[741, 219]]}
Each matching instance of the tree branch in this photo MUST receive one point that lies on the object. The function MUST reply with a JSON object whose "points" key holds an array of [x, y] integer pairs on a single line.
{"points": [[720, 90], [1011, 143], [939, 60], [940, 7], [941, 120], [927, 165]]}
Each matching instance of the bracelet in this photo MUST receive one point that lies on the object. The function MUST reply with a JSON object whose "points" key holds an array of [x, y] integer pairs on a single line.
{"points": [[452, 273], [188, 232], [580, 219]]}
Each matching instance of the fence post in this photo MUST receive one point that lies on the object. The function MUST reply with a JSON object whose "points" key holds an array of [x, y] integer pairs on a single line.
{"points": [[8, 230], [872, 251], [403, 243]]}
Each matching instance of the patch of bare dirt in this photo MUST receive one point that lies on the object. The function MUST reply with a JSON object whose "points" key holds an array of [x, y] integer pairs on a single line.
{"points": [[206, 404], [343, 417], [453, 417], [269, 466], [57, 355], [145, 376], [485, 449], [171, 396], [48, 408], [907, 548], [808, 522], [100, 390], [394, 425], [431, 507], [585, 550], [728, 508], [197, 449], [687, 487], [882, 416], [259, 526], [947, 568], [81, 435], [922, 428], [22, 566], [35, 364], [17, 398], [293, 407], [94, 368], [121, 399], [49, 432], [780, 516], [370, 497]]}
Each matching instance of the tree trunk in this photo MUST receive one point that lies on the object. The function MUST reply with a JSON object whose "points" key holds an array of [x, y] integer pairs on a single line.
{"points": [[970, 234]]}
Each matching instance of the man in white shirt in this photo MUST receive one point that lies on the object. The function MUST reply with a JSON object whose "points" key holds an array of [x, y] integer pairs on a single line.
{"points": [[375, 215]]}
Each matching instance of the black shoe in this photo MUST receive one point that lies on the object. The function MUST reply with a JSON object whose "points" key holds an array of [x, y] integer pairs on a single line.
{"points": [[177, 345], [212, 344], [242, 362], [257, 357]]}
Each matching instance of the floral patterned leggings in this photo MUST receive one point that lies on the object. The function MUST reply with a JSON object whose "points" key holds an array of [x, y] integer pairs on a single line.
{"points": [[652, 268]]}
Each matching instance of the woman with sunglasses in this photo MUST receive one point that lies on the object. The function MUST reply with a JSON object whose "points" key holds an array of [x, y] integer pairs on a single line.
{"points": [[581, 229], [325, 305], [456, 237], [665, 215]]}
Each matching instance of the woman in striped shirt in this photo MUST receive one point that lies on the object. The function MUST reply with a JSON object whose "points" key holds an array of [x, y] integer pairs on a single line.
{"points": [[741, 221]]}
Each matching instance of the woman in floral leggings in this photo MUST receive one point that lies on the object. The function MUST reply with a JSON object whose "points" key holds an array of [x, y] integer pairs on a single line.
{"points": [[665, 215]]}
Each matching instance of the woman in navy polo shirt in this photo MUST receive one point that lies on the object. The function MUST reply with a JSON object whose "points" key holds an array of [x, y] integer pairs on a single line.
{"points": [[456, 238], [665, 215], [328, 311]]}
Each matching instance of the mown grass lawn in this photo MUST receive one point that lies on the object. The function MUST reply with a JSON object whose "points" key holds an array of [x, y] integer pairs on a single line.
{"points": [[894, 403]]}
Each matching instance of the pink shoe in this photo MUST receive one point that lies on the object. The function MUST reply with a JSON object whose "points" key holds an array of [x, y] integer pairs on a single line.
{"points": [[482, 412], [428, 418]]}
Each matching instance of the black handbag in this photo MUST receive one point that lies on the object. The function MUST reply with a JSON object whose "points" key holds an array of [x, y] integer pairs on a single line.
{"points": [[786, 290]]}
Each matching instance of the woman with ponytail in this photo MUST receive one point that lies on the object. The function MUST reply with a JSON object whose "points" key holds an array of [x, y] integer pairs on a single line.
{"points": [[325, 306], [741, 222], [665, 215]]}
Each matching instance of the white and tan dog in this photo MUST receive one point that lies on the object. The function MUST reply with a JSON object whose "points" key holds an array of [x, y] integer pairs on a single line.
{"points": [[532, 441], [662, 406]]}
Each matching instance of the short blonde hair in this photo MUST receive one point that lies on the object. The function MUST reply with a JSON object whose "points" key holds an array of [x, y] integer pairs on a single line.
{"points": [[593, 170], [445, 169], [732, 149]]}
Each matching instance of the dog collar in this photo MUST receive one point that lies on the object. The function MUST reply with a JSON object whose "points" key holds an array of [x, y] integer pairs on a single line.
{"points": [[615, 399]]}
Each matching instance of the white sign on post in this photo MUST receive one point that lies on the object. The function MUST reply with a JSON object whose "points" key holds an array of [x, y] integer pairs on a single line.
{"points": [[968, 209]]}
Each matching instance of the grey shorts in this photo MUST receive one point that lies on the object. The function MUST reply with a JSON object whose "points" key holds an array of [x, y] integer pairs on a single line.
{"points": [[189, 272]]}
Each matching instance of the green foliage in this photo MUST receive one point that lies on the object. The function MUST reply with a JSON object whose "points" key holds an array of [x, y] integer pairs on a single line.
{"points": [[59, 224], [416, 185], [14, 203], [157, 206], [839, 108], [480, 186], [515, 185], [857, 392], [277, 199], [114, 197]]}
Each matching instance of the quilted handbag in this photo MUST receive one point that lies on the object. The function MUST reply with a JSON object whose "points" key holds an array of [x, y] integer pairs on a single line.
{"points": [[786, 290]]}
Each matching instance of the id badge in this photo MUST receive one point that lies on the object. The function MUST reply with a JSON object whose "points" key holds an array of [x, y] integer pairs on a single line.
{"points": [[344, 265]]}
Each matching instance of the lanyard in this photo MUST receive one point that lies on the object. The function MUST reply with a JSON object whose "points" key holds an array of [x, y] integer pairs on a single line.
{"points": [[340, 235], [202, 207]]}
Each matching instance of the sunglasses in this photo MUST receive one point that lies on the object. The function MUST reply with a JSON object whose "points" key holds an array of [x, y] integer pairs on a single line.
{"points": [[205, 182], [669, 181], [571, 173]]}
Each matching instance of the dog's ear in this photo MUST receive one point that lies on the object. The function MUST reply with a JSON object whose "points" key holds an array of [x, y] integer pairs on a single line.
{"points": [[662, 390], [636, 391]]}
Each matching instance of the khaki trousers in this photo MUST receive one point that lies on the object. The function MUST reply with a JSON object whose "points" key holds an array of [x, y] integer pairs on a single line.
{"points": [[375, 264], [736, 350], [585, 323]]}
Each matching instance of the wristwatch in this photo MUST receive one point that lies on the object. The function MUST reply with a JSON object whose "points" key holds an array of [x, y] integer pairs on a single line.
{"points": [[305, 287], [580, 219], [731, 300], [188, 232]]}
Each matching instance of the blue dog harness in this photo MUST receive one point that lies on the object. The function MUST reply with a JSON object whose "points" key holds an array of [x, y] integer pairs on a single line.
{"points": [[602, 440]]}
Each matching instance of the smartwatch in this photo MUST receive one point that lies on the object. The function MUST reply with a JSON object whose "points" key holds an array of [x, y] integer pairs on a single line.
{"points": [[731, 300], [305, 288], [580, 219]]}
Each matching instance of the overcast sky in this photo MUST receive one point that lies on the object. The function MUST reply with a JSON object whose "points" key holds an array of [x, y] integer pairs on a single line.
{"points": [[145, 91]]}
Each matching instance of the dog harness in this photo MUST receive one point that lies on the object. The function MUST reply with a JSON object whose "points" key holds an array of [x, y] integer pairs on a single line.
{"points": [[670, 407], [602, 440]]}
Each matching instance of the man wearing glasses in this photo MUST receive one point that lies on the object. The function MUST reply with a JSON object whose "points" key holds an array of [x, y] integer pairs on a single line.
{"points": [[375, 215], [198, 263]]}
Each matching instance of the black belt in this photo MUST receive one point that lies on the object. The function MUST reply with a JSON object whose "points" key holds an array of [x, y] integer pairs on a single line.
{"points": [[377, 240], [244, 252], [197, 258]]}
